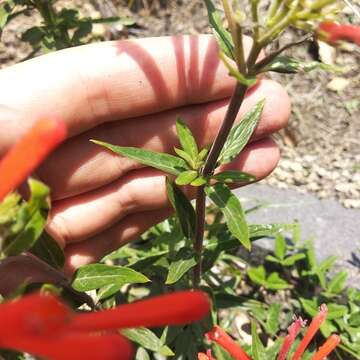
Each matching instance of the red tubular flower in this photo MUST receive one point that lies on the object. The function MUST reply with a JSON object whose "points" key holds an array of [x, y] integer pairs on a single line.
{"points": [[33, 315], [207, 356], [311, 331], [331, 343], [225, 341], [73, 346], [332, 32], [28, 153], [171, 309], [43, 326], [293, 331]]}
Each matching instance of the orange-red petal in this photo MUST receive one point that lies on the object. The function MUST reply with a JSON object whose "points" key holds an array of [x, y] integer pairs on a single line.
{"points": [[33, 315], [225, 341], [171, 309], [311, 331], [331, 343], [332, 32], [28, 153]]}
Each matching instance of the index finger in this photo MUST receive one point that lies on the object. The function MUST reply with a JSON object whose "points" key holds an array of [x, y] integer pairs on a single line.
{"points": [[97, 83]]}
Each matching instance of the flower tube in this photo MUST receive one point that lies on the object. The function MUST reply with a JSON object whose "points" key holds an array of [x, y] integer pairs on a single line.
{"points": [[225, 341], [311, 331], [22, 159]]}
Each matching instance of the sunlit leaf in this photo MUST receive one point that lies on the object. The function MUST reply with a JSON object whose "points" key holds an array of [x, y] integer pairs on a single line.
{"points": [[222, 35], [231, 207], [165, 162], [233, 176], [186, 177], [95, 276], [240, 134], [288, 65], [186, 139], [184, 261], [147, 339]]}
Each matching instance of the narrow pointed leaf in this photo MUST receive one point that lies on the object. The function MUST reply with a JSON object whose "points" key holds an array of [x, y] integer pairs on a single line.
{"points": [[280, 247], [337, 283], [230, 206], [95, 276], [48, 250], [240, 134], [288, 65], [184, 261], [165, 162], [268, 230], [234, 72], [186, 177], [186, 139], [200, 181], [233, 176], [148, 340], [35, 216], [223, 37], [257, 348], [185, 156], [183, 208]]}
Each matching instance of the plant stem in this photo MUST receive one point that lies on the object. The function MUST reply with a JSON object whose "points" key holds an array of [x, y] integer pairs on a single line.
{"points": [[199, 233], [232, 111], [236, 100]]}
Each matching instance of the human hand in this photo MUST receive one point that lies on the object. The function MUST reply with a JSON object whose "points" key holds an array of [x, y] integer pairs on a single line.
{"points": [[127, 93]]}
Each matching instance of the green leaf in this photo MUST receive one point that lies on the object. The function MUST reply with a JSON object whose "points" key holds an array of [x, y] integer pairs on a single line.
{"points": [[273, 318], [280, 247], [186, 139], [33, 35], [48, 250], [275, 282], [337, 283], [203, 153], [27, 237], [142, 354], [95, 276], [108, 290], [336, 311], [291, 260], [233, 176], [257, 348], [327, 264], [184, 261], [183, 208], [240, 134], [186, 177], [83, 30], [257, 274], [185, 156], [230, 206], [234, 72], [4, 15], [165, 162], [354, 319], [223, 37], [200, 181], [287, 65], [33, 222], [267, 230], [148, 340]]}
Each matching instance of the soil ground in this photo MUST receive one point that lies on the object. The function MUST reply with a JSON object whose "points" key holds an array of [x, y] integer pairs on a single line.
{"points": [[320, 147]]}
